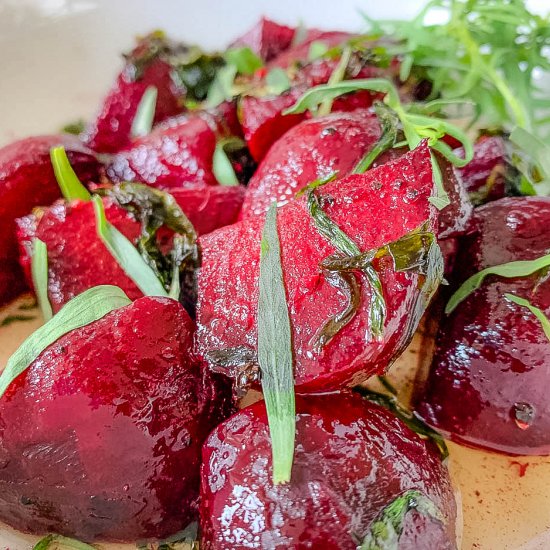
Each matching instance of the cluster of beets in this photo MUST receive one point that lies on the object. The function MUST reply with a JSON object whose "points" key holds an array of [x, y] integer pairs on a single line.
{"points": [[121, 429]]}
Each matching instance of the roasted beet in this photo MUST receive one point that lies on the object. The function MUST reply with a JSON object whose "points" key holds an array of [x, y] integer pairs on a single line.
{"points": [[78, 260], [100, 437], [373, 209], [352, 459], [27, 180], [313, 149], [144, 67], [266, 38], [492, 364]]}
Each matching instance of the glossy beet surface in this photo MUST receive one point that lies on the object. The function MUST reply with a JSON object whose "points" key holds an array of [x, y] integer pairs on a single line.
{"points": [[78, 259], [110, 132], [266, 39], [352, 459], [178, 155], [100, 437], [373, 209], [27, 180], [489, 377], [313, 149]]}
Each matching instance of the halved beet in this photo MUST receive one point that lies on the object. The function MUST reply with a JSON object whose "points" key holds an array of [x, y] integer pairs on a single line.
{"points": [[487, 384], [144, 67], [313, 149], [101, 436], [266, 38], [373, 209], [27, 180], [352, 459], [77, 258]]}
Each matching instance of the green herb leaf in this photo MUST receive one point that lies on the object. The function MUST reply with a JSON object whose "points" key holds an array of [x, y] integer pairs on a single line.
{"points": [[275, 351], [75, 128], [91, 305], [59, 542], [384, 532], [70, 185], [537, 312], [277, 81], [145, 113], [337, 75], [521, 268], [126, 255], [221, 165], [244, 59], [222, 86], [317, 49], [39, 270], [10, 319]]}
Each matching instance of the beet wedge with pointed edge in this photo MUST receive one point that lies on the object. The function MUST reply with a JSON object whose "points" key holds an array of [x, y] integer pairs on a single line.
{"points": [[336, 328], [78, 259], [355, 466], [101, 436], [27, 180], [487, 381], [314, 149]]}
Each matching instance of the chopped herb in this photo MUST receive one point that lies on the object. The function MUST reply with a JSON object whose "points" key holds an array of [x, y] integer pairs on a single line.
{"points": [[70, 185], [319, 182], [126, 254], [300, 34], [75, 128], [222, 86], [412, 421], [145, 113], [59, 542], [175, 542], [244, 60], [221, 164], [91, 305], [317, 49], [277, 81], [10, 319], [39, 270], [385, 530], [337, 76], [537, 312], [521, 268], [275, 351]]}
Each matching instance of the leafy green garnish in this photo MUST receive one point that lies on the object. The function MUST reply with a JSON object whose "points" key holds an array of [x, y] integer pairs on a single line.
{"points": [[485, 51], [520, 268], [222, 86], [145, 113], [385, 530], [221, 164], [277, 81], [537, 312], [126, 255], [39, 271], [337, 75], [10, 319], [70, 185], [317, 49], [244, 59], [275, 351], [339, 240], [75, 128], [91, 305], [415, 127], [59, 542]]}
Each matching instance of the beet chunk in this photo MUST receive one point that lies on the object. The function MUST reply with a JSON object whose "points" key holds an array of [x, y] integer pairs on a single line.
{"points": [[492, 363], [100, 437], [313, 149], [352, 459], [27, 180], [373, 209], [78, 259], [266, 39]]}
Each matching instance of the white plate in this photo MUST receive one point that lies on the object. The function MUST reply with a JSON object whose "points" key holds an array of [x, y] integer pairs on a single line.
{"points": [[58, 59]]}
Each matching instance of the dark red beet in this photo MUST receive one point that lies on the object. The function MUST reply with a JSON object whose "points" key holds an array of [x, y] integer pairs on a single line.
{"points": [[485, 174], [352, 459], [27, 180], [373, 209], [170, 156], [101, 436], [267, 39], [492, 364], [313, 149], [110, 132], [78, 260]]}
